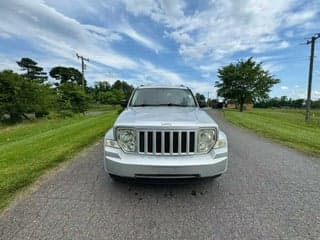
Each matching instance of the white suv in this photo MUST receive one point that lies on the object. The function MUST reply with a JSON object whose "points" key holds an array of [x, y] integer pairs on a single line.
{"points": [[163, 133]]}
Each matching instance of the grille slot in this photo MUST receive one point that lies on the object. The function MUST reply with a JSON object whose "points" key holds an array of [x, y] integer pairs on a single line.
{"points": [[166, 142], [158, 142], [150, 142]]}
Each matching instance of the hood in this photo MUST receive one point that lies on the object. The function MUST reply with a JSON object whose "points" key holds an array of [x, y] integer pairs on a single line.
{"points": [[165, 117]]}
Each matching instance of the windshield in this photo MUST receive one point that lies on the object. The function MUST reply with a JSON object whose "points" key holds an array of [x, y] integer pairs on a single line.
{"points": [[162, 97]]}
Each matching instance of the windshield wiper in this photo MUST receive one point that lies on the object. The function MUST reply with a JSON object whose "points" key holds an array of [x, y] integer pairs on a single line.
{"points": [[143, 105], [174, 105], [162, 104]]}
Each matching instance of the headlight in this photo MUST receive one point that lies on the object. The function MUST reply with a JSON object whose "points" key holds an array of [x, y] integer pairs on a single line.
{"points": [[111, 143], [207, 138], [126, 139]]}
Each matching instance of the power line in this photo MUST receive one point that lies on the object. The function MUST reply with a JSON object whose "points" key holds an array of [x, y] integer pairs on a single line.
{"points": [[83, 67], [311, 41]]}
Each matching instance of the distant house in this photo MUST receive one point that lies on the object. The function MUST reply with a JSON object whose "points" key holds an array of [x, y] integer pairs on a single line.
{"points": [[232, 105]]}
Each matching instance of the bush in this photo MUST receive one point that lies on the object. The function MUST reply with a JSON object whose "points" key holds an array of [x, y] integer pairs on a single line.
{"points": [[65, 114], [19, 95], [72, 98]]}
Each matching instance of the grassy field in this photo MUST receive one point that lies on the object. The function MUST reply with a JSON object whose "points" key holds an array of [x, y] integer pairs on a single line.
{"points": [[285, 126], [102, 107], [27, 150]]}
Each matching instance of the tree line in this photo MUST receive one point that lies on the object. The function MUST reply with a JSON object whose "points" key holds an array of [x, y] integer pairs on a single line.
{"points": [[285, 102], [31, 92]]}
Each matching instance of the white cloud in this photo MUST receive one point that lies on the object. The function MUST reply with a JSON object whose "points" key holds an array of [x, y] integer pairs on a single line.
{"points": [[207, 38], [141, 6], [210, 67], [102, 33], [59, 34], [4, 35], [296, 92], [167, 11], [103, 76], [181, 37], [8, 63], [225, 27], [300, 17], [138, 37], [273, 67], [149, 74]]}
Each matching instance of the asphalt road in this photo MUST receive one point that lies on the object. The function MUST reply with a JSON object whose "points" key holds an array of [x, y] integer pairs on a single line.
{"points": [[269, 192]]}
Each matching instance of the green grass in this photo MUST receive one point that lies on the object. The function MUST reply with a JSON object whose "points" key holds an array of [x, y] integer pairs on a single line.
{"points": [[103, 107], [285, 126], [27, 150]]}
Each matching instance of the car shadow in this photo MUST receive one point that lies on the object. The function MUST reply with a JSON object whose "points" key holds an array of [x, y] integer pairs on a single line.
{"points": [[165, 187]]}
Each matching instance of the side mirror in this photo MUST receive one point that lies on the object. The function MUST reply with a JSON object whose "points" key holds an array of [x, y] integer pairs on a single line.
{"points": [[124, 103], [202, 104]]}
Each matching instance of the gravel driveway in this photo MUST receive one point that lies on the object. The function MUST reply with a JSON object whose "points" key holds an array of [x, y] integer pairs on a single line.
{"points": [[269, 192]]}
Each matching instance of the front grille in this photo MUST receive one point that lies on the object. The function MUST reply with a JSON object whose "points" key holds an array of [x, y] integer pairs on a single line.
{"points": [[166, 142]]}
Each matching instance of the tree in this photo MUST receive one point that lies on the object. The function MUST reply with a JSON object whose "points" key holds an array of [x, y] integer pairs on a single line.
{"points": [[200, 97], [285, 101], [105, 94], [70, 94], [102, 86], [245, 81], [111, 97], [67, 75], [124, 87], [18, 96], [315, 104], [71, 98], [34, 72]]}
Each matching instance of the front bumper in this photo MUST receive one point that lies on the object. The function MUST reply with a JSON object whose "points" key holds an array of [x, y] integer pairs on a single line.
{"points": [[122, 164]]}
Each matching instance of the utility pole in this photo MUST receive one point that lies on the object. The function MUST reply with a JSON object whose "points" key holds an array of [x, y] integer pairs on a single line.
{"points": [[312, 42], [83, 66]]}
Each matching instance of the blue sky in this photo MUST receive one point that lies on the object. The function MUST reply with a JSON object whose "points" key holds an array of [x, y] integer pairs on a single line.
{"points": [[164, 42]]}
